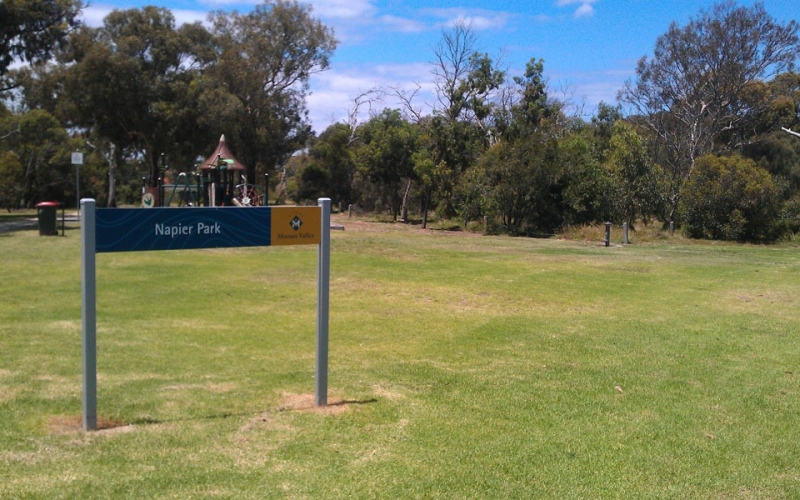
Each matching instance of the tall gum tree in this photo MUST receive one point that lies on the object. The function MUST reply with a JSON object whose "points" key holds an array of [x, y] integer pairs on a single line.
{"points": [[130, 84], [466, 82], [30, 30], [690, 92], [265, 60]]}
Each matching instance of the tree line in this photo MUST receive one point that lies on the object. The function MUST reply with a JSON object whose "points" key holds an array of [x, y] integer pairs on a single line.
{"points": [[698, 139], [142, 93]]}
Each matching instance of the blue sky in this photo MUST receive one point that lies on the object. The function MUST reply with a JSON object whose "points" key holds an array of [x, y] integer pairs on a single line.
{"points": [[590, 47]]}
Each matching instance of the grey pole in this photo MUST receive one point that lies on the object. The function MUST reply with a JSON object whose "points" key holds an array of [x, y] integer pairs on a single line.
{"points": [[323, 296], [89, 314], [78, 188]]}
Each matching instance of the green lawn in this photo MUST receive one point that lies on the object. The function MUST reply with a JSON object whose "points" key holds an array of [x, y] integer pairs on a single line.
{"points": [[460, 367]]}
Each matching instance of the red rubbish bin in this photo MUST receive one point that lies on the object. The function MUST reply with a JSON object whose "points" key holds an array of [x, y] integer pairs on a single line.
{"points": [[46, 212]]}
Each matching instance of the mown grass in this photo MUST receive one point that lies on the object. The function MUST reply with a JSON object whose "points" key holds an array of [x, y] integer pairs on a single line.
{"points": [[460, 367]]}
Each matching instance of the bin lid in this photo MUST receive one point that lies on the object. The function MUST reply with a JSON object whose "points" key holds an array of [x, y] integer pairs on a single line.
{"points": [[48, 204]]}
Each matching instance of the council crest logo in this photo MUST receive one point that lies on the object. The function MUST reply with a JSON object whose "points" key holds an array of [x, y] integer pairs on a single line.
{"points": [[296, 223]]}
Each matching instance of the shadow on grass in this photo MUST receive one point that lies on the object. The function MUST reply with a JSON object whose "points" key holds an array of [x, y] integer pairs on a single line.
{"points": [[68, 424]]}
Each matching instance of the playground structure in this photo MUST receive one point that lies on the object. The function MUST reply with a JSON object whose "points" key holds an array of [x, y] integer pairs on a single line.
{"points": [[214, 184], [195, 190]]}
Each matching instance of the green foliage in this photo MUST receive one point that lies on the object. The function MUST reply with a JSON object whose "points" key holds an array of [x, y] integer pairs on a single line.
{"points": [[730, 198], [265, 60], [523, 186], [333, 165], [778, 153], [693, 93], [633, 186], [313, 184], [603, 126], [37, 159], [790, 215], [11, 180], [533, 106], [494, 145], [587, 185], [131, 85], [386, 156], [31, 30]]}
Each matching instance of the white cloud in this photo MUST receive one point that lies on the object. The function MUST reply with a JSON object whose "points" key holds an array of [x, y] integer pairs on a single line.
{"points": [[585, 7], [477, 19], [402, 24], [585, 10], [347, 9], [93, 15], [188, 16]]}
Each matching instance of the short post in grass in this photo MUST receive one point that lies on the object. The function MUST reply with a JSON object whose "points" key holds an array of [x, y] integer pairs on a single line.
{"points": [[625, 233], [323, 299], [608, 234]]}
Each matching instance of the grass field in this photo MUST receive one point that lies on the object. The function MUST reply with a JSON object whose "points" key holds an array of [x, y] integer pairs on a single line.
{"points": [[461, 366]]}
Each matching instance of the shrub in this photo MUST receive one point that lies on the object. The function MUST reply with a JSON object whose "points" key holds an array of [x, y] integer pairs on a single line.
{"points": [[730, 198]]}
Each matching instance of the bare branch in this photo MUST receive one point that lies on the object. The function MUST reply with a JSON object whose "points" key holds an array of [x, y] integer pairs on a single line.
{"points": [[406, 98], [365, 98], [789, 131]]}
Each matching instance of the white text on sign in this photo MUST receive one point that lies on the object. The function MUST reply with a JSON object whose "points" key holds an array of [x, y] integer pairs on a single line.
{"points": [[187, 230]]}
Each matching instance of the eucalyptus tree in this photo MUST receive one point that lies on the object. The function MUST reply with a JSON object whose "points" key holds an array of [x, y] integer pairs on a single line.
{"points": [[466, 82], [633, 191], [333, 150], [35, 163], [691, 91], [386, 155], [131, 85], [265, 60], [30, 30], [775, 149], [521, 175], [731, 198]]}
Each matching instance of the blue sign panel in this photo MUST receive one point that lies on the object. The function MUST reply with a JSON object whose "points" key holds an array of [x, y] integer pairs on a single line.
{"points": [[137, 229]]}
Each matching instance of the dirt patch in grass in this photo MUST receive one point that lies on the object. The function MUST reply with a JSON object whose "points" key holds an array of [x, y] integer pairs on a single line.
{"points": [[307, 402], [68, 424]]}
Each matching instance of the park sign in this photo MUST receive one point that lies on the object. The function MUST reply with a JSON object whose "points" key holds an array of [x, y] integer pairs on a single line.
{"points": [[133, 229]]}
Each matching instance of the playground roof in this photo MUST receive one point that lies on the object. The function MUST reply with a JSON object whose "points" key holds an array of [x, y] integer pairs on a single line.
{"points": [[224, 153]]}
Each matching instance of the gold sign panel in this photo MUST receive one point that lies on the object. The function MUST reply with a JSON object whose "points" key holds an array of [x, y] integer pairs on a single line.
{"points": [[296, 225]]}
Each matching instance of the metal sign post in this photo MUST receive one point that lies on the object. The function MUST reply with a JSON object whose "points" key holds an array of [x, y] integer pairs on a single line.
{"points": [[127, 230], [323, 296], [77, 160], [89, 314]]}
